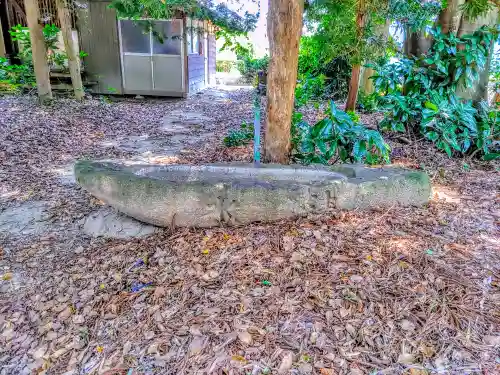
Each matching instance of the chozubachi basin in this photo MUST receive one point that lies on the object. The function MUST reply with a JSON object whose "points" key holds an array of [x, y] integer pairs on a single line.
{"points": [[237, 194]]}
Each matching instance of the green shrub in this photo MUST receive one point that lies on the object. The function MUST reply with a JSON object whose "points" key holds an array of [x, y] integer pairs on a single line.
{"points": [[239, 137], [367, 103], [309, 89], [249, 67], [337, 137], [421, 93], [13, 77], [315, 61], [224, 66], [22, 36]]}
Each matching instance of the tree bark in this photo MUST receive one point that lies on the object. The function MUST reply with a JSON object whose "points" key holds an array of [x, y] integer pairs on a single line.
{"points": [[352, 96], [366, 84], [449, 17], [416, 44], [479, 91], [284, 25], [73, 58], [3, 53], [495, 102], [39, 50]]}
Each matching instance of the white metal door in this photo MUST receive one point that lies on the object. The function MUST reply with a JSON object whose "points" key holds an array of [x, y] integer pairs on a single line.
{"points": [[150, 65]]}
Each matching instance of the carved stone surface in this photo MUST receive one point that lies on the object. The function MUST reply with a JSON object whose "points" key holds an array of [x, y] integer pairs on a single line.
{"points": [[206, 196]]}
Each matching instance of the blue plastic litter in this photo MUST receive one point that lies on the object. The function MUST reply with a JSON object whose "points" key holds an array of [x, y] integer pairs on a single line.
{"points": [[136, 287]]}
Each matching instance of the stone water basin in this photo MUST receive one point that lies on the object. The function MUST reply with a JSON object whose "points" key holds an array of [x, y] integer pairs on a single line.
{"points": [[237, 194]]}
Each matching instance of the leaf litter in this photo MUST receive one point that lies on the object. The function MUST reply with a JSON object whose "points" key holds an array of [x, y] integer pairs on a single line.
{"points": [[347, 293]]}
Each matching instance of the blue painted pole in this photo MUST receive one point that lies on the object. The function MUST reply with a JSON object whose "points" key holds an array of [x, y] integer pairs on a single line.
{"points": [[256, 127]]}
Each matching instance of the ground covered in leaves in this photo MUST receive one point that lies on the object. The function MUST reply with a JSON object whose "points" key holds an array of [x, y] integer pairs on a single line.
{"points": [[395, 291]]}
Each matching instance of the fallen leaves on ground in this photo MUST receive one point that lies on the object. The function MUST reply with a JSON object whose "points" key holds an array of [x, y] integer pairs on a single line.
{"points": [[346, 293]]}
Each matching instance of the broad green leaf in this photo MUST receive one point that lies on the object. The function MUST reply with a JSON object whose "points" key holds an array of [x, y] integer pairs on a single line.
{"points": [[432, 135], [491, 156], [430, 105]]}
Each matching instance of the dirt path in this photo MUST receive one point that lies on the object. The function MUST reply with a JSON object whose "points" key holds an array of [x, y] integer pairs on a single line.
{"points": [[355, 293], [38, 196]]}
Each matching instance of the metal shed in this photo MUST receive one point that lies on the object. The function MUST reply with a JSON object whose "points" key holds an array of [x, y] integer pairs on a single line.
{"points": [[124, 59]]}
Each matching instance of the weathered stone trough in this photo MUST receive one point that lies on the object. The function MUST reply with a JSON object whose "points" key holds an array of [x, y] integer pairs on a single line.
{"points": [[208, 195]]}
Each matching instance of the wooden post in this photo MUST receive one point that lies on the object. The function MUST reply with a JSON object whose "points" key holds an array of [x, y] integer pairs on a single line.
{"points": [[284, 24], [185, 57], [39, 51], [73, 58]]}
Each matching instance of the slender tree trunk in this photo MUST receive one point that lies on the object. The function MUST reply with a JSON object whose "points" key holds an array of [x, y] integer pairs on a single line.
{"points": [[284, 26], [73, 58], [352, 96], [39, 51], [2, 42]]}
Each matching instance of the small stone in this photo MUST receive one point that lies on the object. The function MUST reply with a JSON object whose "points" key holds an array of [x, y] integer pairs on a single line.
{"points": [[245, 338], [313, 338], [78, 319], [153, 348], [40, 352], [406, 358], [79, 250], [258, 292], [149, 335], [406, 325], [356, 279]]}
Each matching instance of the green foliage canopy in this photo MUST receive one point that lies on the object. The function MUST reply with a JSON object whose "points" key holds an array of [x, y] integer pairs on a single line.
{"points": [[219, 14]]}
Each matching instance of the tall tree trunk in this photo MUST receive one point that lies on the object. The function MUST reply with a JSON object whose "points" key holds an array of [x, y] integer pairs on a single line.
{"points": [[352, 96], [416, 43], [479, 91], [2, 42], [73, 58], [449, 17], [39, 51], [366, 83], [284, 24]]}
